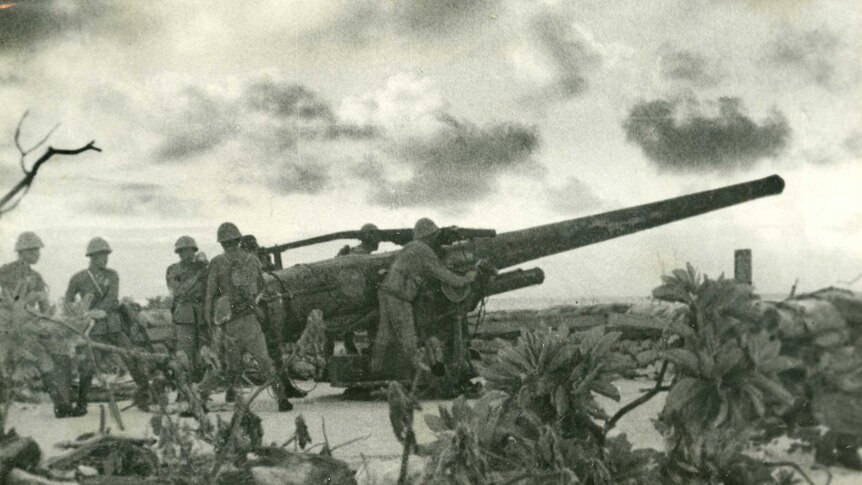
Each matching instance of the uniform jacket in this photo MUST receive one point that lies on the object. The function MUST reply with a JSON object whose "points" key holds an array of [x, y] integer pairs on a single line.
{"points": [[12, 274], [415, 265], [104, 285], [187, 284], [236, 276]]}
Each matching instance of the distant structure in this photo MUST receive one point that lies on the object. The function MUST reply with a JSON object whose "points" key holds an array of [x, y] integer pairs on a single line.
{"points": [[742, 266]]}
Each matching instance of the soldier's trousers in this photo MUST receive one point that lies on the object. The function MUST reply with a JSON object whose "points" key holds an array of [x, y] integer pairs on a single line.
{"points": [[188, 345], [136, 368], [396, 332], [243, 333]]}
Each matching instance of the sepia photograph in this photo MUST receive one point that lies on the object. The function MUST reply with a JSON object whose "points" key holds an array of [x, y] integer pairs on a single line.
{"points": [[391, 242]]}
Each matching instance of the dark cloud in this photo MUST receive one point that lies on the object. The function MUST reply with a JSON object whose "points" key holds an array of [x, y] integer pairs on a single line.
{"points": [[30, 24], [435, 16], [203, 123], [308, 177], [701, 143], [138, 199], [810, 53], [853, 143], [458, 164], [573, 197], [273, 116], [288, 101], [363, 21], [688, 66], [567, 56]]}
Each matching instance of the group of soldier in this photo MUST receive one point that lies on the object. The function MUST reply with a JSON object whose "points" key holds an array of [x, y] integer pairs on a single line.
{"points": [[221, 304]]}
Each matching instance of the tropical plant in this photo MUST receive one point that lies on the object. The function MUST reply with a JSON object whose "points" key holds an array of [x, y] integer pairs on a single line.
{"points": [[726, 377]]}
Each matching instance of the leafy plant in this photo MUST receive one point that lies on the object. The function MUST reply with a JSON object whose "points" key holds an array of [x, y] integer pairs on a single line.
{"points": [[726, 377]]}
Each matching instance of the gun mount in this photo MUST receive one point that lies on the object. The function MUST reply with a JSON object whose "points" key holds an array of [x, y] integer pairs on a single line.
{"points": [[345, 288]]}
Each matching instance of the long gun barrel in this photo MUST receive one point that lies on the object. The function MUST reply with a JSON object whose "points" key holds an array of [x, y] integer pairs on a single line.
{"points": [[516, 247]]}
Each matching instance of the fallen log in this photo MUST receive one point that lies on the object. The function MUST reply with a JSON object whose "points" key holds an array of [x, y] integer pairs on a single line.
{"points": [[17, 476]]}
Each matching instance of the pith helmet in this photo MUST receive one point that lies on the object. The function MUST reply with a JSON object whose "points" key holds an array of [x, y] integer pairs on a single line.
{"points": [[424, 227], [97, 245], [228, 232], [185, 242], [28, 240]]}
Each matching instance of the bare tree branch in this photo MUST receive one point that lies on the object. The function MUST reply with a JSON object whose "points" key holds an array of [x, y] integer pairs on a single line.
{"points": [[30, 175]]}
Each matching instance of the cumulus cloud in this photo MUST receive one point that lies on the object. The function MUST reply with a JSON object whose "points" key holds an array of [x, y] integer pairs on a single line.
{"points": [[429, 157], [810, 53], [574, 197], [126, 199], [688, 66], [557, 55], [701, 142]]}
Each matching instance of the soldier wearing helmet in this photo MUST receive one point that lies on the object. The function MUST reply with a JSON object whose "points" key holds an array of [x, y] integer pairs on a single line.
{"points": [[369, 241], [51, 360], [102, 285], [415, 266], [232, 310], [186, 281]]}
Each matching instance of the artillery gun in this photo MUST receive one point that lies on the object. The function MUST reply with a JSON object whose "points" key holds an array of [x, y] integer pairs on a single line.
{"points": [[345, 288]]}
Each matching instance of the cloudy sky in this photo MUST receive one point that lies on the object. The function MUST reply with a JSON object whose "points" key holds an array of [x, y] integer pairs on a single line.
{"points": [[294, 119]]}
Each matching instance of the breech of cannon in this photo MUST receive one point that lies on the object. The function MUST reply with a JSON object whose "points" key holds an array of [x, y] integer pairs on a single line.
{"points": [[514, 280]]}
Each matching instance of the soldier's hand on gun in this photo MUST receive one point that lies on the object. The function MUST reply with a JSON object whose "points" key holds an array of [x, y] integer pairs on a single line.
{"points": [[471, 276]]}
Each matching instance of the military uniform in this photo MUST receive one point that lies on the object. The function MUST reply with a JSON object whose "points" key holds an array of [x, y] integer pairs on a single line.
{"points": [[104, 286], [187, 284], [234, 282], [416, 264], [52, 361]]}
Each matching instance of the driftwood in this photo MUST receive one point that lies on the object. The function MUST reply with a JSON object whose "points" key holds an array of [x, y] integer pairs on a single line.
{"points": [[110, 454], [19, 477]]}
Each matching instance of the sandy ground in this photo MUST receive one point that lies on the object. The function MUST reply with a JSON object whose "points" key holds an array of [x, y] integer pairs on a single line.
{"points": [[346, 420]]}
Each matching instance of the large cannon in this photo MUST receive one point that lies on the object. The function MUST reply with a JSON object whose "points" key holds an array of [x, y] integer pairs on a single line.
{"points": [[345, 288]]}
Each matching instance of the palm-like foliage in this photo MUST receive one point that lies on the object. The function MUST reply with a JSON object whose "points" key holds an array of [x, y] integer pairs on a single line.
{"points": [[726, 372]]}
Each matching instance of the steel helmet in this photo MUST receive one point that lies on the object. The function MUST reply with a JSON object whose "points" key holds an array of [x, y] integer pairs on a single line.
{"points": [[28, 240], [185, 242], [228, 232], [369, 228], [97, 245], [424, 227]]}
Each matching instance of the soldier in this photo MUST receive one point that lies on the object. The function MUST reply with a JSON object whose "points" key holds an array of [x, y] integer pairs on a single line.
{"points": [[369, 241], [186, 281], [103, 284], [56, 369], [271, 325], [416, 263], [234, 287]]}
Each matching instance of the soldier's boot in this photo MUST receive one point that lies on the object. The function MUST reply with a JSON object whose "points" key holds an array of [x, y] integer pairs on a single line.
{"points": [[142, 398], [84, 382], [284, 403], [350, 344], [289, 389], [62, 407]]}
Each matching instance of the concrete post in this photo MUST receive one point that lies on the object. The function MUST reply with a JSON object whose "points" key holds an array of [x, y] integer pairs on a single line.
{"points": [[742, 266]]}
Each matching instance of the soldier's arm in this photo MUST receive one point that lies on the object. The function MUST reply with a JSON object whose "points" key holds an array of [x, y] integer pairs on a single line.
{"points": [[72, 290], [210, 295], [436, 269], [171, 281]]}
